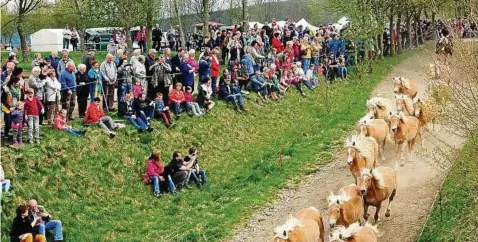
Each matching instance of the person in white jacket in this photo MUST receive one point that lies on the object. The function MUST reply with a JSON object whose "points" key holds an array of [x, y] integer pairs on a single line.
{"points": [[52, 96]]}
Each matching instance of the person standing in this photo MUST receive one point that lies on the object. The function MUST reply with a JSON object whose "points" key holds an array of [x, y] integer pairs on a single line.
{"points": [[161, 80], [68, 89], [82, 90], [62, 63], [66, 38], [74, 38], [109, 74], [156, 36], [38, 87], [141, 37], [54, 61], [88, 60], [149, 61]]}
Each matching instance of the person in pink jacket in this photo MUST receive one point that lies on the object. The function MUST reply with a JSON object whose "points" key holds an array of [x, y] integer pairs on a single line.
{"points": [[60, 123], [156, 172]]}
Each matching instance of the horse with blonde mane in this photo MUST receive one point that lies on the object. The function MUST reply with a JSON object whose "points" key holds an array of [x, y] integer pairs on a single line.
{"points": [[376, 186], [361, 152], [305, 226], [405, 86], [405, 129], [444, 48], [379, 108], [404, 104], [355, 233], [377, 129], [346, 207]]}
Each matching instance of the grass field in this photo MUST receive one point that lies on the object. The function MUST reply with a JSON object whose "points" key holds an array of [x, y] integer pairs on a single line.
{"points": [[455, 216], [92, 184]]}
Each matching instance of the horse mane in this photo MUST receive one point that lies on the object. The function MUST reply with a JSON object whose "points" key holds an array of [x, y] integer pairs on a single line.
{"points": [[364, 145], [373, 228], [376, 175], [340, 198], [336, 232], [407, 99], [350, 231], [405, 82], [378, 102], [281, 232]]}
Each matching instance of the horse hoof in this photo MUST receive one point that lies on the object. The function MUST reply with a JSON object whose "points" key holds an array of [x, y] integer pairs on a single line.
{"points": [[387, 214], [402, 165]]}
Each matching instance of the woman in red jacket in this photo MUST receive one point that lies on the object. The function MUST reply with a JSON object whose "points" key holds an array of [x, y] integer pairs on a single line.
{"points": [[177, 100], [95, 115], [215, 68], [141, 37], [155, 171], [277, 43]]}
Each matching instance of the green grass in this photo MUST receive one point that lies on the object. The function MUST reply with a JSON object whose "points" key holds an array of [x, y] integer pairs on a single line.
{"points": [[92, 184], [455, 216]]}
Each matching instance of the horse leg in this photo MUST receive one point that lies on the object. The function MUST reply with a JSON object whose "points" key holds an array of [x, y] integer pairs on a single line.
{"points": [[389, 208], [365, 212], [382, 149], [422, 140], [402, 150], [397, 154], [377, 212], [411, 147]]}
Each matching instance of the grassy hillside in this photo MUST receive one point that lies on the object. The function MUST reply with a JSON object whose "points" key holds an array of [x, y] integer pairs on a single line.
{"points": [[92, 184], [455, 216]]}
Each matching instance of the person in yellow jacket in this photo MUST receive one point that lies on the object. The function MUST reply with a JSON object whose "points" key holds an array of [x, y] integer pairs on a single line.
{"points": [[306, 53]]}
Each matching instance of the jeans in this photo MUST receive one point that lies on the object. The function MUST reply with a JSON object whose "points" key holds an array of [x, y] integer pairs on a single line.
{"points": [[342, 71], [155, 184], [315, 61], [214, 83], [194, 176], [235, 99], [139, 122], [125, 88], [53, 224], [177, 107], [307, 84], [66, 43], [314, 81], [264, 91], [299, 88], [194, 107], [6, 184], [17, 135], [33, 127], [107, 124], [305, 64], [110, 96], [75, 132]]}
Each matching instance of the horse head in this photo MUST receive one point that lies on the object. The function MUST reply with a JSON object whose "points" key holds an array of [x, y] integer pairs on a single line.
{"points": [[365, 180], [351, 150]]}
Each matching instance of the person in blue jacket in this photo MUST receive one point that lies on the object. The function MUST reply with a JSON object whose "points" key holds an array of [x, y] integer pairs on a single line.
{"points": [[259, 85], [68, 89], [205, 66], [187, 73], [96, 80]]}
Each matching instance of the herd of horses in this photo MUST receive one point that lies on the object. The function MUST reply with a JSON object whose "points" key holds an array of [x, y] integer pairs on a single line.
{"points": [[403, 123]]}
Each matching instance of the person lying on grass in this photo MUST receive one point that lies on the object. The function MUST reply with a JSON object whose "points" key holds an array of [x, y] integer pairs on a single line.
{"points": [[161, 110], [23, 227], [127, 110], [95, 115], [157, 175], [6, 184], [45, 223], [61, 123], [180, 173], [196, 172], [191, 104]]}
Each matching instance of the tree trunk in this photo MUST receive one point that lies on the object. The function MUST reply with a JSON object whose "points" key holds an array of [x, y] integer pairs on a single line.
{"points": [[129, 42], [409, 30], [380, 44], [244, 16], [399, 22], [392, 41], [23, 40], [178, 16], [149, 29], [419, 27], [205, 14], [434, 25]]}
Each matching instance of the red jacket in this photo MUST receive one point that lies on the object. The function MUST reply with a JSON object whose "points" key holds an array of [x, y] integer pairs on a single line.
{"points": [[153, 169], [176, 96], [93, 114], [138, 35], [33, 107], [60, 122], [277, 44], [188, 97], [215, 67]]}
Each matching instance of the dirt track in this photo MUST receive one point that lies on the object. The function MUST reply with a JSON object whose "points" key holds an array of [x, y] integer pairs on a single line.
{"points": [[418, 180]]}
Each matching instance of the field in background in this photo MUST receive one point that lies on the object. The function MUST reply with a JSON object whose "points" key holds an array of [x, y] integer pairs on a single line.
{"points": [[92, 184]]}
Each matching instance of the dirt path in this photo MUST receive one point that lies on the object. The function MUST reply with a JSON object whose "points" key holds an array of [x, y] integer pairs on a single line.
{"points": [[418, 180]]}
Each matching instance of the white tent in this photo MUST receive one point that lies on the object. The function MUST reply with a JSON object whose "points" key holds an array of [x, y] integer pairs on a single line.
{"points": [[278, 23], [48, 40], [305, 24], [251, 25]]}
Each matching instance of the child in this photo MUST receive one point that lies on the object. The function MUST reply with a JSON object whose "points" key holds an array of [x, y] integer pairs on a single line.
{"points": [[162, 110], [33, 108], [273, 91], [311, 77], [137, 89], [17, 124], [191, 104], [197, 173], [61, 124]]}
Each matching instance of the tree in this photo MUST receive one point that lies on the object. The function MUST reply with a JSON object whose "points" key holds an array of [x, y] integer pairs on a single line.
{"points": [[244, 15], [23, 8], [177, 15]]}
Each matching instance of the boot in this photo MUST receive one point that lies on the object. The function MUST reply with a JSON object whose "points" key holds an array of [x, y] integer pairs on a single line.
{"points": [[243, 108]]}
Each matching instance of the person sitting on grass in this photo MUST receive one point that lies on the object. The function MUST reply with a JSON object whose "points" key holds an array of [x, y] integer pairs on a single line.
{"points": [[161, 110], [259, 85], [290, 79], [311, 77], [299, 73], [156, 172], [144, 107], [191, 104], [6, 183], [127, 110], [341, 67], [196, 172], [271, 84], [179, 172], [204, 99], [45, 223], [232, 94], [60, 123], [95, 115], [176, 99], [23, 227]]}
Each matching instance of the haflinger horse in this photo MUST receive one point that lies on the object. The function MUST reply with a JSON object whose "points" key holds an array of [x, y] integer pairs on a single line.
{"points": [[355, 233], [405, 129], [379, 108], [377, 129], [361, 152], [444, 48], [426, 112], [377, 185], [305, 226], [405, 86], [346, 207], [404, 104]]}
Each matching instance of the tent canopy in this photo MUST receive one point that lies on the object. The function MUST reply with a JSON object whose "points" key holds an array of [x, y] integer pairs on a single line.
{"points": [[215, 24], [304, 24], [48, 40], [251, 25]]}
